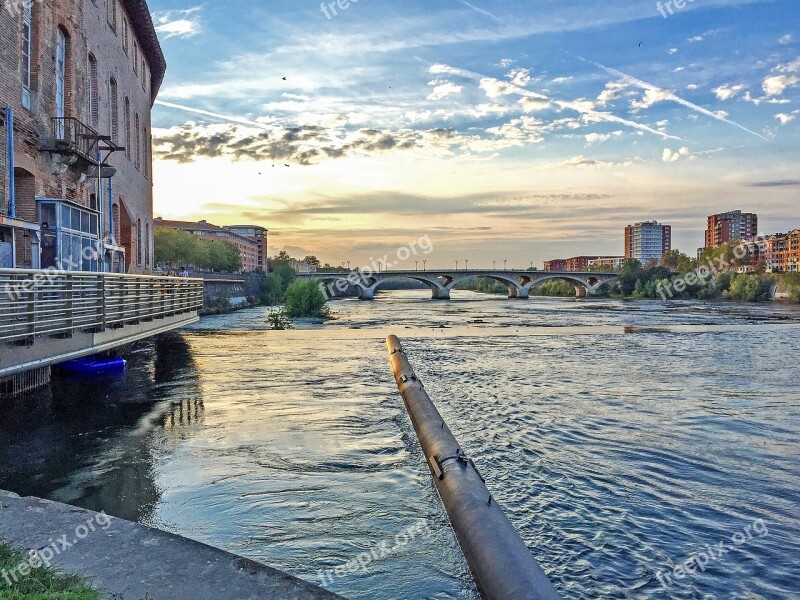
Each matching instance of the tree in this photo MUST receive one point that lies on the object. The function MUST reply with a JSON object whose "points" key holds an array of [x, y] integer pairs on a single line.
{"points": [[304, 298], [313, 261]]}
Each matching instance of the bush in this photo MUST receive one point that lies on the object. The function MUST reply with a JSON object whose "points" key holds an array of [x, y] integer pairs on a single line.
{"points": [[304, 298], [556, 287], [278, 319], [749, 288]]}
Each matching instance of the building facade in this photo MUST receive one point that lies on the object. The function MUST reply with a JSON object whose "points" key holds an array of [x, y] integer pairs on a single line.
{"points": [[258, 235], [782, 252], [249, 248], [730, 227], [557, 265], [649, 240], [77, 82], [578, 263], [607, 262]]}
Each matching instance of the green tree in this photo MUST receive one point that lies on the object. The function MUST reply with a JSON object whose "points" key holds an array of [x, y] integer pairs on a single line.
{"points": [[304, 298]]}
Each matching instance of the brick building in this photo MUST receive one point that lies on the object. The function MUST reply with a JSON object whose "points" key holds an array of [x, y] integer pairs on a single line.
{"points": [[258, 235], [782, 252], [556, 264], [646, 241], [249, 248], [607, 262], [579, 263], [730, 227], [77, 81]]}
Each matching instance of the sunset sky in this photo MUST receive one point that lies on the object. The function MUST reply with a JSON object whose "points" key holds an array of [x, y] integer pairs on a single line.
{"points": [[514, 129]]}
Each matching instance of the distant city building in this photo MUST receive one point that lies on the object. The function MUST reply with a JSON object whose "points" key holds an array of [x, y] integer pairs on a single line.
{"points": [[730, 227], [557, 264], [579, 263], [607, 262], [248, 248], [302, 266], [649, 240], [782, 252], [258, 235]]}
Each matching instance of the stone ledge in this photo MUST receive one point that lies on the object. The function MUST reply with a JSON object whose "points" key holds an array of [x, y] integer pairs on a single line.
{"points": [[131, 561]]}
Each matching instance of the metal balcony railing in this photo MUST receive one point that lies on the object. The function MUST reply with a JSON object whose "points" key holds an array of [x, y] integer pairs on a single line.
{"points": [[76, 136], [43, 303]]}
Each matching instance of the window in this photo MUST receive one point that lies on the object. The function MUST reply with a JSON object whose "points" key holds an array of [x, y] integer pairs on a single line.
{"points": [[125, 34], [138, 241], [127, 127], [135, 57], [138, 156], [145, 153], [27, 35], [61, 73], [144, 74], [147, 241], [114, 108], [94, 111], [111, 7]]}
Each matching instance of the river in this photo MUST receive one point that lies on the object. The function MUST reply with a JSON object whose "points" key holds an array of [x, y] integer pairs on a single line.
{"points": [[623, 438]]}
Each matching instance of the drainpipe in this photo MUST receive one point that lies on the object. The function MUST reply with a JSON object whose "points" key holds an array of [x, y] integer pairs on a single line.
{"points": [[11, 192], [111, 210]]}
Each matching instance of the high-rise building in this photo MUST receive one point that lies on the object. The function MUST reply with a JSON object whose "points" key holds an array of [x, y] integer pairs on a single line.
{"points": [[730, 227], [647, 241]]}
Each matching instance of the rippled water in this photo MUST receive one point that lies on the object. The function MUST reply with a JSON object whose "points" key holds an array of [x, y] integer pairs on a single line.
{"points": [[621, 437]]}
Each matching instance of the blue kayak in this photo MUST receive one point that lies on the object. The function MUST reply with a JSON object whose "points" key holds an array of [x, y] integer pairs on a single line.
{"points": [[94, 364]]}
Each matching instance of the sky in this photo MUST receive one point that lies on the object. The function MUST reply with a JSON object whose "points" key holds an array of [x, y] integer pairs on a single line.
{"points": [[518, 130]]}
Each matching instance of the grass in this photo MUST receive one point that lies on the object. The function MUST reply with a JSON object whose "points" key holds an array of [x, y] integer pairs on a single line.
{"points": [[41, 583]]}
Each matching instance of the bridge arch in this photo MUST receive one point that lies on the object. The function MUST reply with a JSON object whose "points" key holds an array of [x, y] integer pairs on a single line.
{"points": [[516, 285]]}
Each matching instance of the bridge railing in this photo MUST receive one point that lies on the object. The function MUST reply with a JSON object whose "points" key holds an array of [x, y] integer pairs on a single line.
{"points": [[44, 303]]}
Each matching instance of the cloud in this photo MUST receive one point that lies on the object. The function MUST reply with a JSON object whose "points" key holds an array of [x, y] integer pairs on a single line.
{"points": [[726, 92], [599, 138], [706, 34], [672, 51], [299, 145], [777, 84], [183, 23], [520, 77], [443, 89], [481, 11], [583, 162], [784, 118], [612, 91], [213, 115], [786, 39], [774, 184], [670, 156], [654, 93], [533, 104]]}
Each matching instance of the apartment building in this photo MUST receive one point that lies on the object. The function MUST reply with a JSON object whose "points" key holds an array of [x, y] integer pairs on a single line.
{"points": [[248, 247], [730, 227], [648, 240], [258, 235]]}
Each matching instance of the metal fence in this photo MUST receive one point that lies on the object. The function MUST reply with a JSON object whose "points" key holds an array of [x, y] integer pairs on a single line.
{"points": [[45, 303], [77, 135]]}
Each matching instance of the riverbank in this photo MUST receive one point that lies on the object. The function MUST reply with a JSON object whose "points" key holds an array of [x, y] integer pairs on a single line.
{"points": [[128, 561]]}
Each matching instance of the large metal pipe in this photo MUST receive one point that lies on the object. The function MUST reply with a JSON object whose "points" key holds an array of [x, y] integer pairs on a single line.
{"points": [[12, 201], [501, 564]]}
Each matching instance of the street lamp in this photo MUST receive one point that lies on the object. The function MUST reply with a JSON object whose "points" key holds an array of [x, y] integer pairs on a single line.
{"points": [[348, 265], [494, 265], [531, 265], [466, 264], [456, 265], [416, 265], [504, 265], [424, 265]]}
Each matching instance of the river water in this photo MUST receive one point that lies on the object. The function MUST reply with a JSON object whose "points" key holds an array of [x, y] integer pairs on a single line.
{"points": [[622, 438]]}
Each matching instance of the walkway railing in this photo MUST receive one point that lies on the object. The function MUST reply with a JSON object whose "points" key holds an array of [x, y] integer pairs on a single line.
{"points": [[48, 303]]}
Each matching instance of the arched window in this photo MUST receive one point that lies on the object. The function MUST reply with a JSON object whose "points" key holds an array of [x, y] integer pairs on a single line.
{"points": [[114, 107], [61, 74], [139, 242], [127, 127], [145, 153], [147, 243], [93, 87], [138, 157], [112, 14]]}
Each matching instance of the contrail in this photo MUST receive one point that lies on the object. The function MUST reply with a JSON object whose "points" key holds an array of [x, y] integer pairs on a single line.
{"points": [[588, 113], [207, 113], [481, 11], [671, 96]]}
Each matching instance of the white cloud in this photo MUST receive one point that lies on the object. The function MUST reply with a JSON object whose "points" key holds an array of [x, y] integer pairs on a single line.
{"points": [[699, 38], [786, 39], [533, 104], [495, 88], [672, 51], [670, 156], [178, 23], [507, 62], [443, 89], [520, 77], [784, 118], [692, 86], [652, 95], [726, 92], [599, 138], [561, 79], [776, 85], [612, 91]]}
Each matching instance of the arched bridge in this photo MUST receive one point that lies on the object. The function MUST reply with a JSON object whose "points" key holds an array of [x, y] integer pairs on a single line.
{"points": [[518, 283]]}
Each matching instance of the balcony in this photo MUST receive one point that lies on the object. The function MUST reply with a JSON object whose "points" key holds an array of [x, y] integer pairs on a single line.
{"points": [[47, 317], [73, 143]]}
